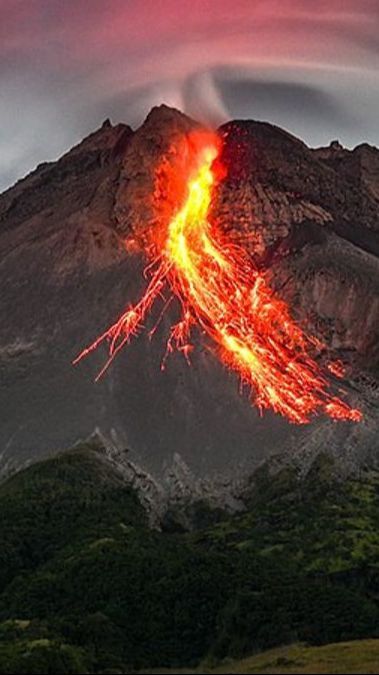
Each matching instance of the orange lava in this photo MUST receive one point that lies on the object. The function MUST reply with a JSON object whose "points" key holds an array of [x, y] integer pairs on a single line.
{"points": [[221, 292]]}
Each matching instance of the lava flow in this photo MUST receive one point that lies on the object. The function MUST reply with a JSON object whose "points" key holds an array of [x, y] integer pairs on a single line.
{"points": [[220, 291]]}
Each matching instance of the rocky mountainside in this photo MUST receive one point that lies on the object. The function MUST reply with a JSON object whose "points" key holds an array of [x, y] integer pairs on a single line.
{"points": [[310, 219]]}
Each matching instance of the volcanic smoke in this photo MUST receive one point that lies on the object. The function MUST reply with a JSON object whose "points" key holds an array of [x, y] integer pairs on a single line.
{"points": [[220, 291]]}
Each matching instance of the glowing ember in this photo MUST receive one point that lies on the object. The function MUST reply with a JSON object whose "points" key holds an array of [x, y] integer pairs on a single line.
{"points": [[220, 291]]}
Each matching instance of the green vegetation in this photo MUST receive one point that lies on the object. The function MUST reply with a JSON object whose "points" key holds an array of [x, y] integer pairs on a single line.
{"points": [[359, 656], [86, 586]]}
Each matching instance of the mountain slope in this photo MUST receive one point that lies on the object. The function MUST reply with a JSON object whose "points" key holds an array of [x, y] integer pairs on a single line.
{"points": [[66, 274]]}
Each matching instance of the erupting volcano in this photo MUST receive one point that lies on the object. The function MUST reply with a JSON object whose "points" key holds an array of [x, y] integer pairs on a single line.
{"points": [[222, 293]]}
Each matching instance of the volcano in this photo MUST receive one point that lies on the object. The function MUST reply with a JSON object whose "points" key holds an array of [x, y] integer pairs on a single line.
{"points": [[74, 240]]}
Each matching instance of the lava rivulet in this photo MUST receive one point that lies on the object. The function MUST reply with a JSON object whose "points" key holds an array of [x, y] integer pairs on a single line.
{"points": [[220, 291]]}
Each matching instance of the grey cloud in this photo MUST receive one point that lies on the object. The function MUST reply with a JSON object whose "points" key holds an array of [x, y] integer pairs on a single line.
{"points": [[334, 104], [283, 103]]}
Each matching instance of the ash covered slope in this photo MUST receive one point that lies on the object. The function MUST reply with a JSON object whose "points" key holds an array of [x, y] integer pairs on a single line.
{"points": [[65, 275]]}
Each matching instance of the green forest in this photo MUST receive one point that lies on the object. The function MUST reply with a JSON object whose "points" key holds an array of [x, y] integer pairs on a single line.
{"points": [[86, 586]]}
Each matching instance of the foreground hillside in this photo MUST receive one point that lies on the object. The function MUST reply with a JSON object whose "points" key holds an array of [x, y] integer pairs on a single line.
{"points": [[358, 656], [87, 586]]}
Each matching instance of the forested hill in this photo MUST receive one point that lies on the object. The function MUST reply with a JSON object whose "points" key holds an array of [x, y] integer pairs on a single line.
{"points": [[88, 586]]}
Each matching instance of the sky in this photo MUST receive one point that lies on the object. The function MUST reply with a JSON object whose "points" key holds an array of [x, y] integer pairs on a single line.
{"points": [[310, 66]]}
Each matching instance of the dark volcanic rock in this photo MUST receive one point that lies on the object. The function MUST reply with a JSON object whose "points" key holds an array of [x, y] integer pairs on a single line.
{"points": [[142, 198], [313, 230], [66, 274], [359, 166], [278, 183]]}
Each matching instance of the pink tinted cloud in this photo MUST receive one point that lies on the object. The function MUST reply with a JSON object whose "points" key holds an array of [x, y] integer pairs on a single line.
{"points": [[77, 31]]}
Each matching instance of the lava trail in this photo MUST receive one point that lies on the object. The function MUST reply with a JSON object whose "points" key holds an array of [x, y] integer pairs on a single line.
{"points": [[220, 291]]}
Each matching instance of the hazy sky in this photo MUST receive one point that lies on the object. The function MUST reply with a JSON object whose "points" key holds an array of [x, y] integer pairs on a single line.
{"points": [[310, 66]]}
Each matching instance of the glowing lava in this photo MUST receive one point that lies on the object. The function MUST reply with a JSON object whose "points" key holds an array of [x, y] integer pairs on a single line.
{"points": [[221, 292]]}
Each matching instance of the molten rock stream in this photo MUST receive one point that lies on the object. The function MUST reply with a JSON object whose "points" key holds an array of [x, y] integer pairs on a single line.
{"points": [[220, 292]]}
